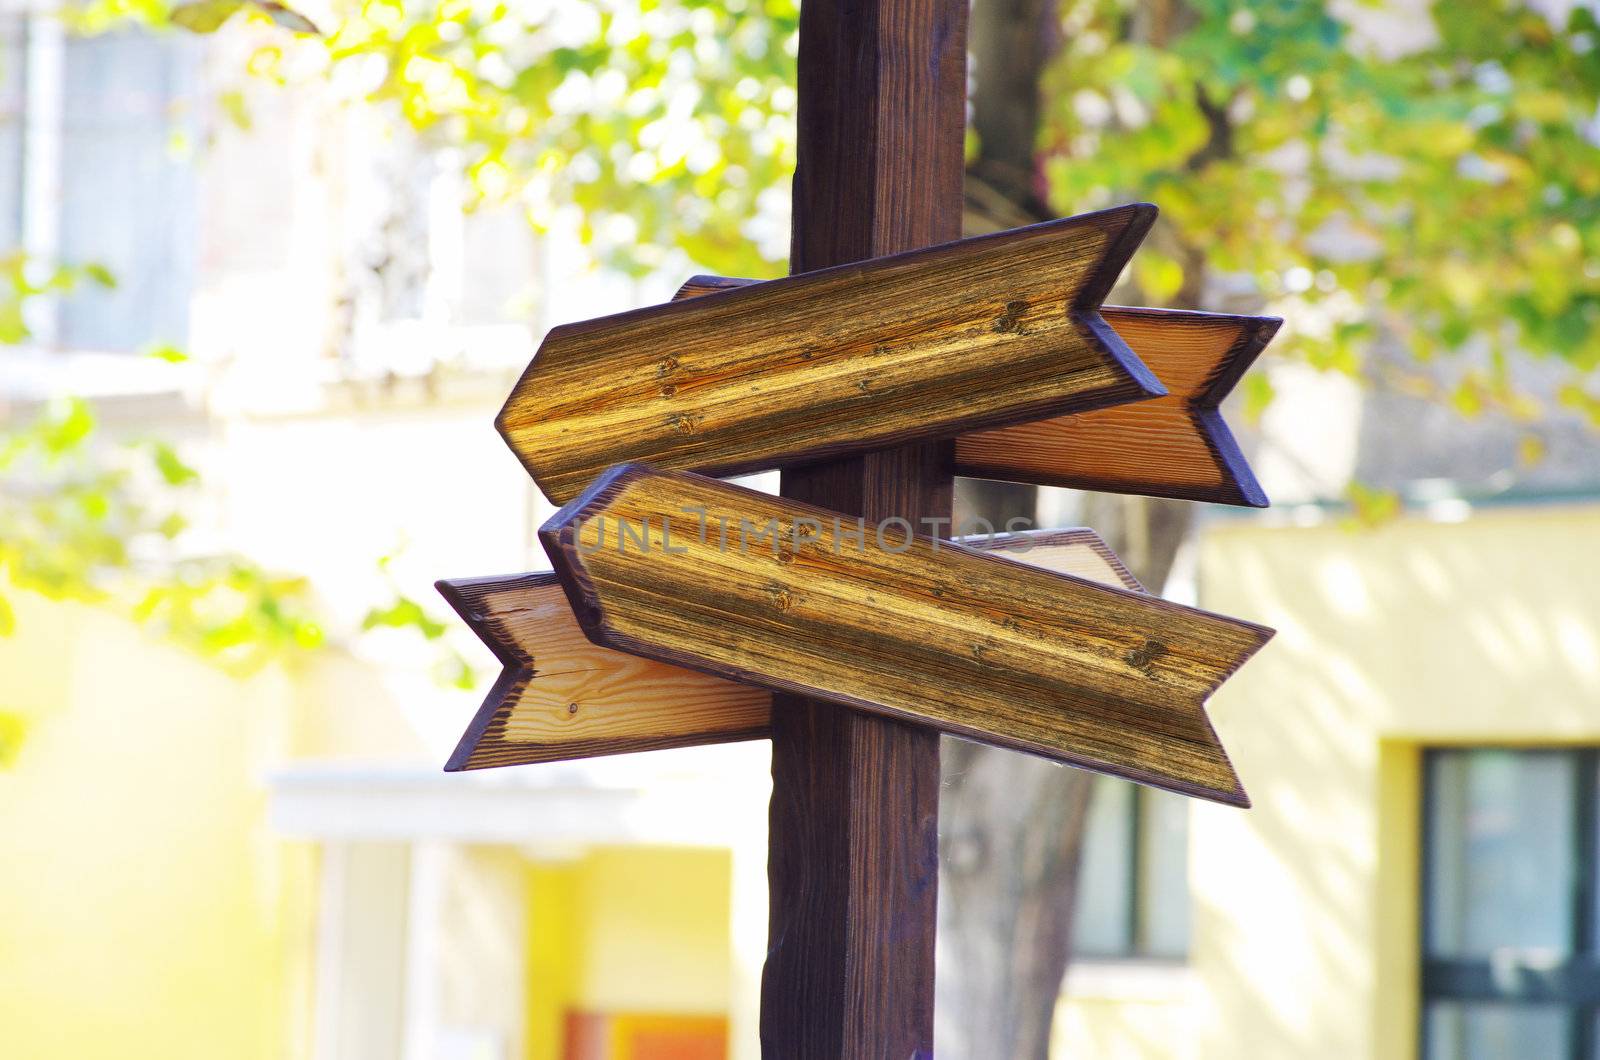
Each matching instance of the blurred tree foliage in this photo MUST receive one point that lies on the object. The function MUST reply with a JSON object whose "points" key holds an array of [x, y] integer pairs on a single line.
{"points": [[669, 125], [1446, 194], [1444, 191], [86, 518]]}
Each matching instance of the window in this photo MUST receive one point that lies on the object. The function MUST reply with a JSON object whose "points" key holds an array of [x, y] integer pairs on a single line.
{"points": [[13, 41], [127, 191], [1133, 877], [1511, 955], [93, 136]]}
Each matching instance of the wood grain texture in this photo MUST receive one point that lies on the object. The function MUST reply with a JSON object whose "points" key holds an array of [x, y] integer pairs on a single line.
{"points": [[927, 344], [1176, 445], [926, 631], [562, 697]]}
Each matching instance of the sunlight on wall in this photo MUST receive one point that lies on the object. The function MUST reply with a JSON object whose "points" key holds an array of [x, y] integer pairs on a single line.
{"points": [[628, 930], [1306, 907], [145, 910]]}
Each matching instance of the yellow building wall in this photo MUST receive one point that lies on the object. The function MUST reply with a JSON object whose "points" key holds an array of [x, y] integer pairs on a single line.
{"points": [[1420, 633], [628, 930], [145, 911]]}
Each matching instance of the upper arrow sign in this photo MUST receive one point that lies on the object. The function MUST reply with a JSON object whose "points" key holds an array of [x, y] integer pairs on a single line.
{"points": [[1175, 445], [692, 571], [938, 342], [562, 697]]}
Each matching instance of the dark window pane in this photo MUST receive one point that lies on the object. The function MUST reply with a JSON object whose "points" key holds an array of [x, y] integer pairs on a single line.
{"points": [[1501, 858], [1163, 886], [13, 72], [127, 201], [1479, 1030], [1105, 872]]}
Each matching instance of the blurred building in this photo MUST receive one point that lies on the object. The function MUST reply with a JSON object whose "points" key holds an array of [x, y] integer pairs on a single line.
{"points": [[203, 866], [1417, 877], [199, 865]]}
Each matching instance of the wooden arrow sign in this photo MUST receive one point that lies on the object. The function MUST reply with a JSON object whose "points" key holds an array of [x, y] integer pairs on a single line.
{"points": [[561, 697], [1174, 445], [934, 343], [678, 568]]}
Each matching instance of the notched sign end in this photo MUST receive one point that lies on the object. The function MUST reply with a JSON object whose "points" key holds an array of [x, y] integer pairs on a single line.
{"points": [[471, 598], [1239, 481], [1141, 383], [559, 697], [1136, 219]]}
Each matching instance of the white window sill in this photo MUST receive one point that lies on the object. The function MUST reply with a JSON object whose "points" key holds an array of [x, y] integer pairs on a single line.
{"points": [[33, 373]]}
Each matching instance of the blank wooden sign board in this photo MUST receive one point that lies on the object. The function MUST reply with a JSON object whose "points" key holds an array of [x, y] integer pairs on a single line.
{"points": [[684, 610]]}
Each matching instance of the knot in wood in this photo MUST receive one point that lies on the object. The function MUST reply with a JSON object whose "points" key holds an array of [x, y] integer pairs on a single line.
{"points": [[1010, 321], [1143, 658]]}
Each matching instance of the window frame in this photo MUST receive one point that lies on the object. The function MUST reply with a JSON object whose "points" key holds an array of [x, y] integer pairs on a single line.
{"points": [[1134, 929], [1573, 983]]}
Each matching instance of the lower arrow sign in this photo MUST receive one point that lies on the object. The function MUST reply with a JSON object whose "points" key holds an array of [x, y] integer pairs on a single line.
{"points": [[745, 586], [562, 697]]}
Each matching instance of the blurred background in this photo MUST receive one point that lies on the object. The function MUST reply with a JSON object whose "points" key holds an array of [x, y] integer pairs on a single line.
{"points": [[266, 276]]}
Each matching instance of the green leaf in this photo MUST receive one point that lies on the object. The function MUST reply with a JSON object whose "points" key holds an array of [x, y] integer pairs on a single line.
{"points": [[1258, 395], [404, 613], [162, 351], [100, 274], [1373, 507], [173, 470], [67, 429]]}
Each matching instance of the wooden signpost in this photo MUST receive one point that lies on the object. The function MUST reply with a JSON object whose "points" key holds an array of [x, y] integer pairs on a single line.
{"points": [[684, 610], [561, 696]]}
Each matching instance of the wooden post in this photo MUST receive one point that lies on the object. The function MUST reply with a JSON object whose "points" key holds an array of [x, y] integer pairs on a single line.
{"points": [[853, 869]]}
